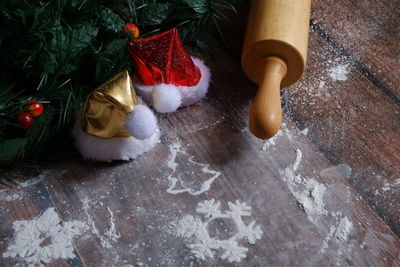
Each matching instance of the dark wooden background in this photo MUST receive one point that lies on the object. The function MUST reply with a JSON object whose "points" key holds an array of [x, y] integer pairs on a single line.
{"points": [[347, 130]]}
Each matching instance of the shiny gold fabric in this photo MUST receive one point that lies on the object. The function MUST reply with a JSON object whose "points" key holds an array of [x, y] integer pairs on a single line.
{"points": [[107, 107]]}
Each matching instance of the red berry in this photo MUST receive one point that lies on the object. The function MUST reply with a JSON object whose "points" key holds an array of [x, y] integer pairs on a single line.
{"points": [[35, 109], [131, 30], [25, 121]]}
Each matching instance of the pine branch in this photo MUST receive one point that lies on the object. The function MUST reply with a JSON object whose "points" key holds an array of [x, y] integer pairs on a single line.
{"points": [[58, 51]]}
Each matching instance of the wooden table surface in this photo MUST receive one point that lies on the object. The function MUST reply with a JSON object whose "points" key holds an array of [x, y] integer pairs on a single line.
{"points": [[324, 192]]}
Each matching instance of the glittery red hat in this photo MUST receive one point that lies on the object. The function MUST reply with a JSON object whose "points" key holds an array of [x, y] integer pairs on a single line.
{"points": [[163, 59], [166, 76]]}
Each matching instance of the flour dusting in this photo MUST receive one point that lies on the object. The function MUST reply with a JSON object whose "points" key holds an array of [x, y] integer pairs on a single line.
{"points": [[308, 192], [310, 196], [299, 154], [6, 195], [304, 131], [388, 186], [111, 234], [176, 149], [340, 229], [204, 246], [44, 239], [325, 242], [108, 238], [343, 229], [339, 73], [11, 197], [31, 181], [344, 169], [270, 143]]}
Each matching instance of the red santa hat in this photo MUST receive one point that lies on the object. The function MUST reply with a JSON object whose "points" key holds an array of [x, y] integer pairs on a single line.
{"points": [[166, 75]]}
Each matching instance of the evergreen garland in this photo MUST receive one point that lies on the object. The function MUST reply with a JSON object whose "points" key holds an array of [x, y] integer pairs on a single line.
{"points": [[57, 51]]}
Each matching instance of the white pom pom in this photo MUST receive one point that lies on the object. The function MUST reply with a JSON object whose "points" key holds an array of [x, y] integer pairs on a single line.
{"points": [[166, 98], [141, 123]]}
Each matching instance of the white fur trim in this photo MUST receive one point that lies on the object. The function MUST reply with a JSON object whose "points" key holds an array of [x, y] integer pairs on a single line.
{"points": [[192, 95], [189, 94], [166, 98], [142, 123], [100, 149]]}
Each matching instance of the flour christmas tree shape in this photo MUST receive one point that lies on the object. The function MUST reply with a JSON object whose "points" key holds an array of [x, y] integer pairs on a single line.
{"points": [[205, 246], [180, 179]]}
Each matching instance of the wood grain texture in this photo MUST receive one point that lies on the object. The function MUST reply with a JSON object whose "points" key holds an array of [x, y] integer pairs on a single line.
{"points": [[353, 123], [133, 219], [24, 201], [366, 32], [145, 214]]}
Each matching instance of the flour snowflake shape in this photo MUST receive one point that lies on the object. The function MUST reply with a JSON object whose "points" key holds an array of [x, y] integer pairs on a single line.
{"points": [[204, 246], [43, 239]]}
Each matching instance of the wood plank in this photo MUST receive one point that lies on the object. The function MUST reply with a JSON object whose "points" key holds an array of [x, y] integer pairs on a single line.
{"points": [[368, 33], [354, 124], [306, 206], [298, 229], [24, 202]]}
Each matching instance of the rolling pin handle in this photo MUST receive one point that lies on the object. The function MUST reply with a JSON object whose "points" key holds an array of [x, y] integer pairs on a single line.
{"points": [[266, 111]]}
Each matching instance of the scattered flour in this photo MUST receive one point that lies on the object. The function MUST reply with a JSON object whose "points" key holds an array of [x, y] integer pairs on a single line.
{"points": [[204, 246], [388, 186], [339, 72], [304, 131], [111, 236], [6, 195], [344, 169], [31, 182], [321, 84], [11, 197], [310, 196], [299, 154], [38, 179], [175, 149], [325, 243], [308, 192], [205, 125], [271, 142], [343, 229], [284, 131], [43, 239]]}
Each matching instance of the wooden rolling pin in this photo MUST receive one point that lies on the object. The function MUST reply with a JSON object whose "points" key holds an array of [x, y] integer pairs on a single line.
{"points": [[274, 56]]}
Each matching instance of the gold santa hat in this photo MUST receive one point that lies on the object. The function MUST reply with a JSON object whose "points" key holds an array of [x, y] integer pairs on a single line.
{"points": [[107, 107], [115, 124]]}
